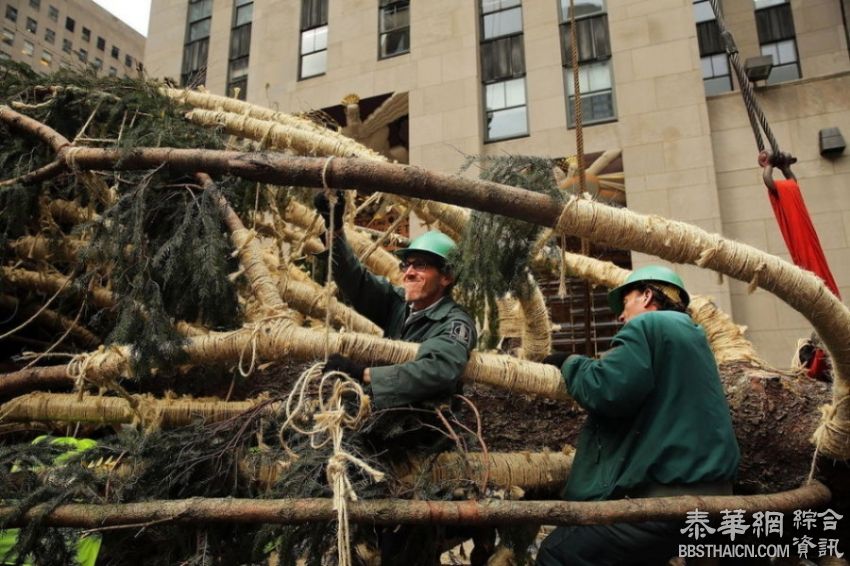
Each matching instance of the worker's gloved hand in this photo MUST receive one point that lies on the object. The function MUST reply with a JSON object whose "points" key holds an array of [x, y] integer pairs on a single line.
{"points": [[348, 366], [557, 359], [323, 207]]}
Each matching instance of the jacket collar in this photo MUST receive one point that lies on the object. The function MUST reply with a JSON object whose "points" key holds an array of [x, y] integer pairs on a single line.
{"points": [[437, 311]]}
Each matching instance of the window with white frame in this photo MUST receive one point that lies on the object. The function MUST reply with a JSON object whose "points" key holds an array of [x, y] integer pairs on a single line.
{"points": [[8, 36], [240, 48], [46, 58], [314, 39], [716, 76], [777, 38], [393, 28], [503, 70], [197, 42], [28, 48], [594, 56]]}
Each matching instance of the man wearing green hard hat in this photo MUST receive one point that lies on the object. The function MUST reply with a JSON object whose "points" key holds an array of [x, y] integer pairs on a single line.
{"points": [[658, 424], [421, 311]]}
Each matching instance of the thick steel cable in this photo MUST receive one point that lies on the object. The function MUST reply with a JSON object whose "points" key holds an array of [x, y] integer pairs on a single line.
{"points": [[754, 112]]}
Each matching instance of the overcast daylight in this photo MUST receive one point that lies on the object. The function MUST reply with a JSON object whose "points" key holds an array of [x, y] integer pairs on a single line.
{"points": [[135, 13]]}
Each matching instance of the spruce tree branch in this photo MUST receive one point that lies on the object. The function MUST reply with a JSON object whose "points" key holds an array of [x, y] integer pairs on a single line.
{"points": [[403, 511], [49, 171]]}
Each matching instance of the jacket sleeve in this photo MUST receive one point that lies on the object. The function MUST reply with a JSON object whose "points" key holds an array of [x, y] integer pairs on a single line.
{"points": [[616, 384], [438, 365], [373, 297]]}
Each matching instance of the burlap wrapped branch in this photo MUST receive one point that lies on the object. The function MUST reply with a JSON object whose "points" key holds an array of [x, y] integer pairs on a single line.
{"points": [[545, 471], [308, 141], [42, 248], [50, 283], [155, 413]]}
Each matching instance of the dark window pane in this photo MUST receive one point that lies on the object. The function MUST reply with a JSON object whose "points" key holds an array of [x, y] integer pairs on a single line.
{"points": [[595, 107], [240, 42], [128, 61], [709, 39], [32, 25], [101, 43], [593, 42], [506, 22], [67, 47], [86, 34], [35, 4], [115, 52], [238, 88], [11, 13], [313, 13], [53, 13], [502, 58], [70, 24], [83, 55], [49, 35], [195, 56], [395, 42], [775, 24]]}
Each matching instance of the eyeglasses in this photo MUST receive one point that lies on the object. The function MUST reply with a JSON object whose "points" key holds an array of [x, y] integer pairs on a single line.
{"points": [[416, 264]]}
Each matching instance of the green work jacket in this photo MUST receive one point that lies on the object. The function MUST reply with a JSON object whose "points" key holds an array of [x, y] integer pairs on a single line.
{"points": [[445, 332], [657, 413]]}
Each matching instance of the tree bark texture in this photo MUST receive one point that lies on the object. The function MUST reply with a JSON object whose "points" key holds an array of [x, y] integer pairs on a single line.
{"points": [[402, 511]]}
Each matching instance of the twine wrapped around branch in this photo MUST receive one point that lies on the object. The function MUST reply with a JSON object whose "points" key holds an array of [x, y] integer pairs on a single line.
{"points": [[329, 419]]}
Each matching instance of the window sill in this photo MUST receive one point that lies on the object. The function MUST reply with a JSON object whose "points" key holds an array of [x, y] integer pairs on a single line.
{"points": [[312, 77], [594, 123], [499, 140], [394, 55]]}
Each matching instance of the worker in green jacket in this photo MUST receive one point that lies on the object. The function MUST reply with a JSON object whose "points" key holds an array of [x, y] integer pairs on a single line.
{"points": [[421, 311], [658, 424]]}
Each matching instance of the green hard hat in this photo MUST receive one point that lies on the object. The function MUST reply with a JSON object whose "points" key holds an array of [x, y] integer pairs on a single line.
{"points": [[433, 242], [649, 273]]}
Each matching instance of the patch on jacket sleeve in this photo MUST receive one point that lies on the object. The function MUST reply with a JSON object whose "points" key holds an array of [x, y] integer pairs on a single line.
{"points": [[461, 332]]}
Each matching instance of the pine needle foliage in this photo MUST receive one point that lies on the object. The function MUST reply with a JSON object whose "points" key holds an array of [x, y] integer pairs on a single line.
{"points": [[158, 237], [492, 257]]}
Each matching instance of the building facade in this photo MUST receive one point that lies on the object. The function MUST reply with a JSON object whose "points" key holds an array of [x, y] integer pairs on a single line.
{"points": [[51, 34], [489, 77]]}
